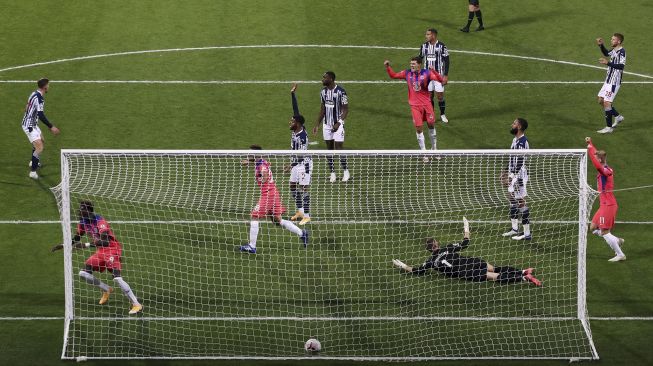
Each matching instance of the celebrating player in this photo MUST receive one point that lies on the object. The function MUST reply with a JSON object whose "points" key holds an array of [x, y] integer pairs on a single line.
{"points": [[612, 82], [106, 256], [437, 58], [473, 8], [301, 166], [34, 112], [603, 220], [419, 98], [449, 262], [333, 113], [517, 177], [269, 204]]}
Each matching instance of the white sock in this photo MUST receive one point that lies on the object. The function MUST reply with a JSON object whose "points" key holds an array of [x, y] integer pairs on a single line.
{"points": [[527, 229], [253, 233], [94, 281], [613, 242], [420, 140], [433, 138], [126, 290], [515, 224], [291, 227], [301, 210]]}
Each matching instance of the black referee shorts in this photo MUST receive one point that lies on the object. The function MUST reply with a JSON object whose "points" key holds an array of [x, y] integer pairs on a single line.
{"points": [[474, 2]]}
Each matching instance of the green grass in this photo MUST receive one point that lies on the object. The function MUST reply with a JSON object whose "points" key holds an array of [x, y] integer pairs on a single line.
{"points": [[234, 116]]}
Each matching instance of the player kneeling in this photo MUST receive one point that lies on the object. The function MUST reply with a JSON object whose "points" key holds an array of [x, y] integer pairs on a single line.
{"points": [[449, 262], [106, 257]]}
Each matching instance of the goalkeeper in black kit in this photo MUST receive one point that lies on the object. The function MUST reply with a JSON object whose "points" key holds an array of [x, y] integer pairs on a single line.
{"points": [[451, 263]]}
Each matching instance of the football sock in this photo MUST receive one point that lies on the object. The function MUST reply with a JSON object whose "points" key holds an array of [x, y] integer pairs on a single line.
{"points": [[613, 242], [470, 17], [525, 214], [126, 290], [513, 217], [479, 16], [35, 160], [291, 227], [253, 233], [94, 281], [420, 140], [608, 117], [441, 104], [509, 275], [330, 160], [343, 163], [296, 195], [433, 138], [306, 197], [614, 112]]}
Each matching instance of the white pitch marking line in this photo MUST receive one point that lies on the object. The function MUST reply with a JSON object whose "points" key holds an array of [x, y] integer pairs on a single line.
{"points": [[305, 46], [598, 318], [335, 222], [344, 82]]}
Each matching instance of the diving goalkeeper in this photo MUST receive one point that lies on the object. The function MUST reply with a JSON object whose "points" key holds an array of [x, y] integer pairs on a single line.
{"points": [[449, 262]]}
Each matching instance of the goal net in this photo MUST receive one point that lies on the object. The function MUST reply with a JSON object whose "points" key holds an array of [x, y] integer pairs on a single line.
{"points": [[181, 216]]}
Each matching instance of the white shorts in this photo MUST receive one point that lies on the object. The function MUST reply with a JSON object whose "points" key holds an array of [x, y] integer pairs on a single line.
{"points": [[608, 92], [520, 189], [299, 175], [33, 135], [436, 86], [338, 136]]}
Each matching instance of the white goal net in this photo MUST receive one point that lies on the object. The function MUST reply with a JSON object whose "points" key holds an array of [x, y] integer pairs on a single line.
{"points": [[181, 216]]}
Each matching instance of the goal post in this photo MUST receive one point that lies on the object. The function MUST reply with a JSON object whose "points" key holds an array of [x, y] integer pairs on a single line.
{"points": [[180, 217]]}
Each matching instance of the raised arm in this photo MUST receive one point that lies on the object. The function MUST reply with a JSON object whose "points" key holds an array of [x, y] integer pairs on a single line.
{"points": [[392, 73], [591, 151], [295, 106]]}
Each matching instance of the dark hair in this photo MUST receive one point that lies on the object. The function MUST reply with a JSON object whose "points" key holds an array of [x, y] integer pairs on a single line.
{"points": [[299, 119], [42, 83], [432, 30], [523, 123], [87, 205], [255, 147], [418, 59], [332, 74], [620, 36]]}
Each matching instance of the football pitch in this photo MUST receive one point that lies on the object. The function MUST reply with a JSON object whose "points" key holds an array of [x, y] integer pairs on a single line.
{"points": [[216, 75]]}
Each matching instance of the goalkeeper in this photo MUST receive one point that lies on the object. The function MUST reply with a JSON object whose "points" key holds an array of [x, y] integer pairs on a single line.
{"points": [[449, 262]]}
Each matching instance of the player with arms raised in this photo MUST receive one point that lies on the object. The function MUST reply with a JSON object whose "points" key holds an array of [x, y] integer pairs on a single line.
{"points": [[301, 166], [418, 80], [448, 261], [610, 88], [603, 220], [106, 256], [269, 204], [517, 177]]}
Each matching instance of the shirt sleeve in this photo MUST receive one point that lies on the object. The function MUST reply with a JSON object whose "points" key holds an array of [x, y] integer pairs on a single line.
{"points": [[435, 76], [459, 246], [591, 150], [344, 99], [395, 75], [424, 267], [445, 57], [295, 106], [80, 229]]}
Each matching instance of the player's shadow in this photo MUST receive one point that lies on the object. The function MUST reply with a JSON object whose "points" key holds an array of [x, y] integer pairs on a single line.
{"points": [[547, 16], [438, 23]]}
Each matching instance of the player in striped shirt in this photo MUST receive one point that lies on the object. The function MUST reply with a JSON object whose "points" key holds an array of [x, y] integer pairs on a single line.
{"points": [[419, 98], [301, 166], [516, 178], [436, 56], [269, 204], [612, 82], [34, 110], [333, 113], [107, 255], [603, 220]]}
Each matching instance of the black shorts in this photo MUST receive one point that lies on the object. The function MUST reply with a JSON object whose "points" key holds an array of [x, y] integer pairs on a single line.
{"points": [[474, 2], [474, 269]]}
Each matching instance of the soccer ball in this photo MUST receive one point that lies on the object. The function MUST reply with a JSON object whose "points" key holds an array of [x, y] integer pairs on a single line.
{"points": [[312, 346]]}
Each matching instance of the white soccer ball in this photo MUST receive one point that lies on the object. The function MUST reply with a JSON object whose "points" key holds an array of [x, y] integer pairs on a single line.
{"points": [[312, 345]]}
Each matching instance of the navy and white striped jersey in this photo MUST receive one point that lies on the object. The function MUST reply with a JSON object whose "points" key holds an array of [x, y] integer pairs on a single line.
{"points": [[299, 141], [333, 101], [616, 66], [436, 56], [517, 164], [35, 104]]}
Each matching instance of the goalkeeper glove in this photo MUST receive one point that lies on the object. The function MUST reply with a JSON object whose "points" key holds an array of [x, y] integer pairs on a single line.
{"points": [[400, 264], [465, 224]]}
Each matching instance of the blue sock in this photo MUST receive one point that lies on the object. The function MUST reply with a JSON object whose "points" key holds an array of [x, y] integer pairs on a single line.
{"points": [[330, 160], [297, 196], [608, 117], [614, 112], [525, 214], [343, 163], [35, 160]]}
